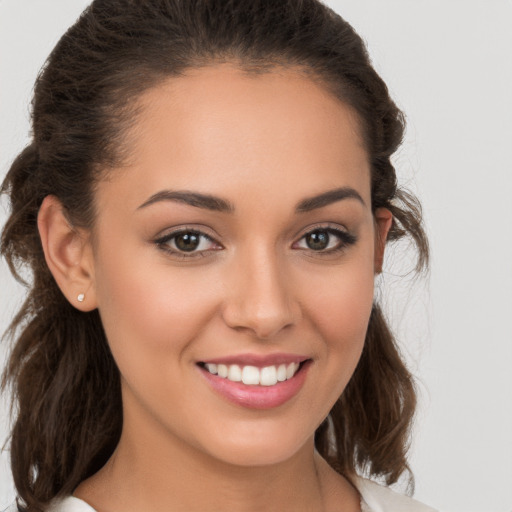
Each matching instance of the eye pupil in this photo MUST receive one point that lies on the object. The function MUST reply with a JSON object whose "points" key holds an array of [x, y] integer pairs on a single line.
{"points": [[317, 240], [187, 241]]}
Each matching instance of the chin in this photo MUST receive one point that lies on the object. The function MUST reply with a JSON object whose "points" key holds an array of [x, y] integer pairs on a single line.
{"points": [[263, 449]]}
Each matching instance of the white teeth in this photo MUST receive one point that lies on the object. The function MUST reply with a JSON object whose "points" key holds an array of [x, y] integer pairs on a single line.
{"points": [[268, 376], [235, 373], [291, 369], [222, 370], [211, 367], [250, 375], [253, 376], [281, 373]]}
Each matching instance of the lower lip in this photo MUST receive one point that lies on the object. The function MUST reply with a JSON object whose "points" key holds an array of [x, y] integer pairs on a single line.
{"points": [[258, 397]]}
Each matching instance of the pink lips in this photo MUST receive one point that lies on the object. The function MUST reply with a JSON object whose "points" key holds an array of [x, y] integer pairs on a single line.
{"points": [[258, 397]]}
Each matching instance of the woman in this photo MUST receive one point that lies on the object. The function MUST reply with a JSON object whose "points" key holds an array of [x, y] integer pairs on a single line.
{"points": [[205, 206]]}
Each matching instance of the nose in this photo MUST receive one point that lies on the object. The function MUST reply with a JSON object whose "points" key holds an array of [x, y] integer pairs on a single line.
{"points": [[259, 296]]}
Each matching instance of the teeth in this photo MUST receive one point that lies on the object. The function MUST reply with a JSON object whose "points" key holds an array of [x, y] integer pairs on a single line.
{"points": [[291, 369], [268, 376], [211, 367], [253, 376], [281, 373], [235, 373], [222, 370]]}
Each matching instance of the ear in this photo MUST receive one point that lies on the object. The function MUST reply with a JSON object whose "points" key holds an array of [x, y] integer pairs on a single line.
{"points": [[68, 254], [383, 220]]}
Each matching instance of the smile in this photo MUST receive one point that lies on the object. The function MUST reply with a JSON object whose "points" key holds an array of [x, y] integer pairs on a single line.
{"points": [[256, 382], [252, 375]]}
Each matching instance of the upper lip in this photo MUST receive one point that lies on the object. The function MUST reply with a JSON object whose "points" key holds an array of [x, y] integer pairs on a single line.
{"points": [[258, 360]]}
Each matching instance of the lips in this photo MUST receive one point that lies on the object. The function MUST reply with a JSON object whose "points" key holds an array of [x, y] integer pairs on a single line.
{"points": [[254, 381]]}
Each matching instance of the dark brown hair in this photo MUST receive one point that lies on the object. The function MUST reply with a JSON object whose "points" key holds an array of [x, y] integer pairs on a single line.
{"points": [[64, 382]]}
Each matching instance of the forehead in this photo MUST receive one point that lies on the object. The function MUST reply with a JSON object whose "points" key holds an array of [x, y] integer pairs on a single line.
{"points": [[218, 129]]}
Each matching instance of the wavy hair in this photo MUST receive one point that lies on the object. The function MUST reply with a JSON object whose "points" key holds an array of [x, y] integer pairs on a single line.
{"points": [[65, 386]]}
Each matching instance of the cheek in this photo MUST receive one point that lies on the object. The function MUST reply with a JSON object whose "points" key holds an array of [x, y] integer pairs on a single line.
{"points": [[150, 308], [341, 303], [346, 310], [340, 310]]}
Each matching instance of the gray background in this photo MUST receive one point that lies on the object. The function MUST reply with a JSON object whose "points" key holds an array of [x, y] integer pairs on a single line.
{"points": [[448, 64]]}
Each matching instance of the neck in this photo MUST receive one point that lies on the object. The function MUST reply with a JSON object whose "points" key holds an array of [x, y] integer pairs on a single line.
{"points": [[136, 478]]}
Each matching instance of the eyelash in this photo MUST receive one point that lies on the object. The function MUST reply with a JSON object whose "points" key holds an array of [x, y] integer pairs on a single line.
{"points": [[163, 243], [346, 240]]}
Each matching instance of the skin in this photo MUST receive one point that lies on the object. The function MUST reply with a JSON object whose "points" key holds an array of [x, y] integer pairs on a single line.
{"points": [[264, 143]]}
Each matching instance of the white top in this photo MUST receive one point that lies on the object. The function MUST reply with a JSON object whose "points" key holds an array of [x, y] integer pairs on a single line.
{"points": [[374, 498]]}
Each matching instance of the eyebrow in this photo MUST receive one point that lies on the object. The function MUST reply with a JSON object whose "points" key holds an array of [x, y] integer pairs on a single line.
{"points": [[196, 199], [327, 198], [217, 204]]}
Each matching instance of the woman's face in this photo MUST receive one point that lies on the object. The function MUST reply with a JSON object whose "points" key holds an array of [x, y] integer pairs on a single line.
{"points": [[240, 237]]}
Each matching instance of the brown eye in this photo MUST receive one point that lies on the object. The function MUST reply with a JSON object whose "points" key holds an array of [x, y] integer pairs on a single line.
{"points": [[187, 241], [318, 240], [326, 240]]}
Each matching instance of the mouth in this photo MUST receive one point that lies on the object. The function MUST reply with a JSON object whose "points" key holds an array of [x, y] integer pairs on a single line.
{"points": [[259, 385], [252, 375]]}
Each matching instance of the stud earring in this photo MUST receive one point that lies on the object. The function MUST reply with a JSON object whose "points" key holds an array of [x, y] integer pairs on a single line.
{"points": [[81, 297]]}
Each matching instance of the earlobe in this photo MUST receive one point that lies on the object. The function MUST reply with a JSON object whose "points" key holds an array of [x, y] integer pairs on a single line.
{"points": [[68, 254], [383, 221]]}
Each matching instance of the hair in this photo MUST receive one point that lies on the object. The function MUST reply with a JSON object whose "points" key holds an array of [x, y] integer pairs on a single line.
{"points": [[65, 385]]}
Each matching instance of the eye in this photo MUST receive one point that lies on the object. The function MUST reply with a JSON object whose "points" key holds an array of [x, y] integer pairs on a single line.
{"points": [[187, 243], [326, 240]]}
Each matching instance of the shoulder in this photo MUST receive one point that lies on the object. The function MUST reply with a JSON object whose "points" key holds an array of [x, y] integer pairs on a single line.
{"points": [[67, 504], [70, 504], [382, 499]]}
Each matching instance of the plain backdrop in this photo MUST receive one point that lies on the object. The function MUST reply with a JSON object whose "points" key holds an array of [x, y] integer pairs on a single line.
{"points": [[448, 64]]}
